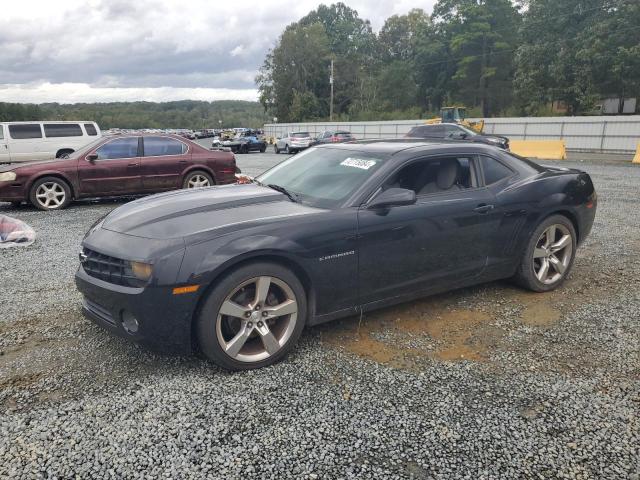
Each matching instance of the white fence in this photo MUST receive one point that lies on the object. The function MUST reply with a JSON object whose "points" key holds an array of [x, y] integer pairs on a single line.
{"points": [[589, 134]]}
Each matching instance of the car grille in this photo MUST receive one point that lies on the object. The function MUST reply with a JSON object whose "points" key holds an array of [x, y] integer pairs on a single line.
{"points": [[110, 269]]}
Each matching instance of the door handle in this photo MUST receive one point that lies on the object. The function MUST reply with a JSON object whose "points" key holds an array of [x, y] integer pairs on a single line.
{"points": [[182, 161], [483, 208], [132, 165]]}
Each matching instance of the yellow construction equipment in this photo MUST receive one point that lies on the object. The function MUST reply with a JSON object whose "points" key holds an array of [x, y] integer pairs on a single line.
{"points": [[548, 149], [456, 115]]}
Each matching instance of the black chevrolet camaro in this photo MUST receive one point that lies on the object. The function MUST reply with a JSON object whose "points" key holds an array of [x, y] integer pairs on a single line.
{"points": [[237, 271]]}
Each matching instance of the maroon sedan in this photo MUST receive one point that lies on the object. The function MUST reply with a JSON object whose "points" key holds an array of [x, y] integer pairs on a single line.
{"points": [[112, 166]]}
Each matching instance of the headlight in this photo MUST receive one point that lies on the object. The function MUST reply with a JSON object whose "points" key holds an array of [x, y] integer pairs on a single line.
{"points": [[142, 271], [7, 176]]}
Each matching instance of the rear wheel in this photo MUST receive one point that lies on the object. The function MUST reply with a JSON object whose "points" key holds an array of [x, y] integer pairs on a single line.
{"points": [[263, 148], [197, 179], [253, 317], [549, 255], [50, 193]]}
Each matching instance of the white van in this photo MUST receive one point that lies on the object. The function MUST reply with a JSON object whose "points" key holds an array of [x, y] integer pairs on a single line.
{"points": [[26, 141]]}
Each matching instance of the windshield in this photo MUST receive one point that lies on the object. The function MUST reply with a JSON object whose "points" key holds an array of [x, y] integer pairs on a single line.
{"points": [[468, 131], [300, 134], [87, 148], [324, 177]]}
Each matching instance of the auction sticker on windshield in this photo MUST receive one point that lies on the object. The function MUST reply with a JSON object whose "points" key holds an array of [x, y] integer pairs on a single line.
{"points": [[358, 163]]}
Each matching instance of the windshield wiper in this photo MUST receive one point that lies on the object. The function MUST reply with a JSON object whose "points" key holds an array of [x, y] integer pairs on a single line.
{"points": [[292, 196]]}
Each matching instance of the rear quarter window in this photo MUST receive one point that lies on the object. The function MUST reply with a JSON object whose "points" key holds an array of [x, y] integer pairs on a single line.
{"points": [[494, 171], [52, 130], [90, 129], [26, 130]]}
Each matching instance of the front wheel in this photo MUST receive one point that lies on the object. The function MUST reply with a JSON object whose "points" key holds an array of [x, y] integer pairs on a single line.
{"points": [[253, 317], [549, 255], [50, 193]]}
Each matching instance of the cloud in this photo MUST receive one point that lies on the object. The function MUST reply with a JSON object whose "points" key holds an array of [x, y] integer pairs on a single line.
{"points": [[142, 49]]}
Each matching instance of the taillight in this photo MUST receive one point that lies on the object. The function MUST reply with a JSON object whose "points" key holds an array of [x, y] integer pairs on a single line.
{"points": [[335, 139]]}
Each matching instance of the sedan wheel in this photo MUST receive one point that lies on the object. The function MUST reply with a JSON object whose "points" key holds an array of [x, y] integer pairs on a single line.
{"points": [[552, 254], [50, 194], [549, 255], [197, 180], [252, 322]]}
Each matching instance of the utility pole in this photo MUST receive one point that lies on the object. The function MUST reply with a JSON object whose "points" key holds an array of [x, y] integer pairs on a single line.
{"points": [[331, 100]]}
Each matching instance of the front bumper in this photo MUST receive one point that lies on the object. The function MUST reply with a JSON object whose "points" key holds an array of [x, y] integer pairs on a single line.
{"points": [[12, 191], [164, 319]]}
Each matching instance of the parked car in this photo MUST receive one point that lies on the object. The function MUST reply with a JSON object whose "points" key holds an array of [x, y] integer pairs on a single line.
{"points": [[120, 165], [28, 141], [292, 142], [333, 136], [244, 144], [453, 131], [339, 229]]}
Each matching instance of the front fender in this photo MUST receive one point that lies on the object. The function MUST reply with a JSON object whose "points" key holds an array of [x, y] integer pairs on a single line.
{"points": [[207, 260]]}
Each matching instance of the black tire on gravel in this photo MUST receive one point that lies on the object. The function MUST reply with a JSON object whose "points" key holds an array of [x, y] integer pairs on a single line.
{"points": [[61, 186], [525, 275], [207, 317]]}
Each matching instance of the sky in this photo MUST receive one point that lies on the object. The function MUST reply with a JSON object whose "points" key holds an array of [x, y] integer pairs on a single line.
{"points": [[70, 51]]}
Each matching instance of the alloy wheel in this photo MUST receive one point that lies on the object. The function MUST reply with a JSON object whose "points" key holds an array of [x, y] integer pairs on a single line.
{"points": [[51, 195], [198, 181], [552, 254], [257, 319]]}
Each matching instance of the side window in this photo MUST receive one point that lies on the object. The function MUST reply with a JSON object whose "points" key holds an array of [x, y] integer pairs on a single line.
{"points": [[441, 175], [90, 129], [119, 148], [25, 130], [62, 130], [161, 146], [1, 132], [494, 171]]}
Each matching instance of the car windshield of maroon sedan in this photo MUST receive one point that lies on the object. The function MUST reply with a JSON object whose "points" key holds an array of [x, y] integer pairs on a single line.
{"points": [[323, 177], [87, 148]]}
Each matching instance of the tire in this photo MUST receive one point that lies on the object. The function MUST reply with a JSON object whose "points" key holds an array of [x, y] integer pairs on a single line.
{"points": [[218, 333], [64, 153], [244, 148], [263, 148], [276, 150], [541, 249], [50, 193], [197, 179], [286, 149]]}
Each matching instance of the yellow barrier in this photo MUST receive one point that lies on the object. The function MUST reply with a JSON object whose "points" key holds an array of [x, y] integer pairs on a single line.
{"points": [[550, 149], [636, 159]]}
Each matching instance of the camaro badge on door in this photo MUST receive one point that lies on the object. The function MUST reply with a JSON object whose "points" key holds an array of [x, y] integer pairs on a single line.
{"points": [[337, 255]]}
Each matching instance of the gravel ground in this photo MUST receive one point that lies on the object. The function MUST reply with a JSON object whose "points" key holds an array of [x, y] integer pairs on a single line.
{"points": [[485, 382]]}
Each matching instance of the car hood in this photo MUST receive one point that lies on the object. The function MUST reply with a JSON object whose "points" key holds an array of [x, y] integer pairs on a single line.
{"points": [[203, 213], [53, 163]]}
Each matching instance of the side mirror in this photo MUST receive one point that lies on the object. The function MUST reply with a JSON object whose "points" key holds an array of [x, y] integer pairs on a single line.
{"points": [[92, 157], [393, 197]]}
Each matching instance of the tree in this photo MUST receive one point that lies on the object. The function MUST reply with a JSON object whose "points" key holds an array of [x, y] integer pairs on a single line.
{"points": [[296, 67], [555, 61], [482, 35], [400, 33]]}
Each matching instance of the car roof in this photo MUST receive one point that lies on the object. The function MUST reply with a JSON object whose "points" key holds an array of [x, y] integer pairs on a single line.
{"points": [[395, 145]]}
